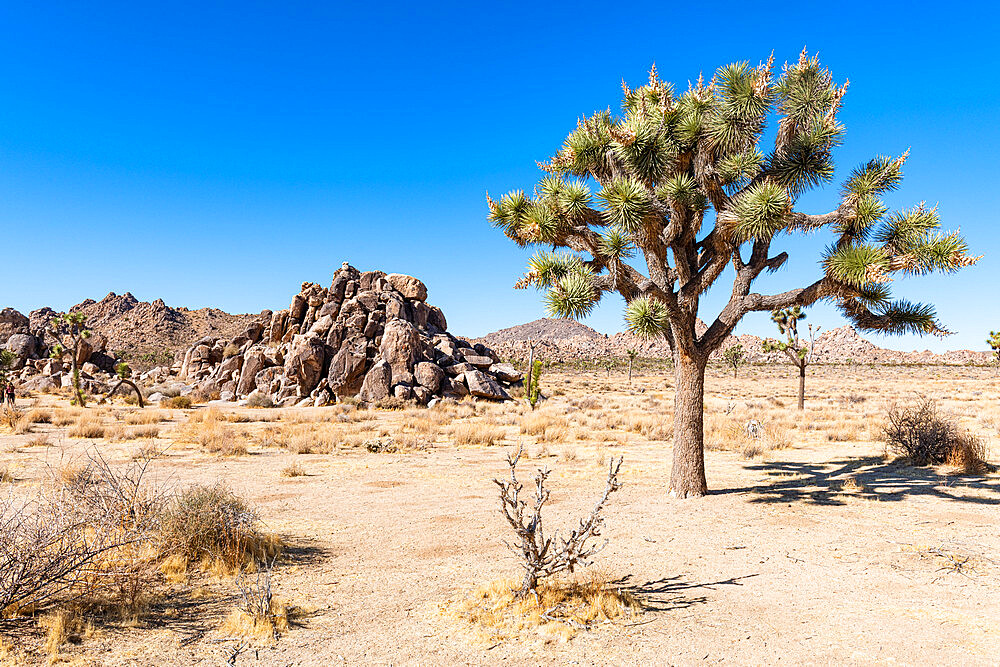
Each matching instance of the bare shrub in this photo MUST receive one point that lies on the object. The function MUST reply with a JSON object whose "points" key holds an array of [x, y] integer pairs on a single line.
{"points": [[543, 556], [84, 537], [920, 433], [259, 615]]}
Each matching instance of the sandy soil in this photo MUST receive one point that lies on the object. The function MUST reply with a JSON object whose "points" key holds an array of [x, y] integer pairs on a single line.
{"points": [[781, 563]]}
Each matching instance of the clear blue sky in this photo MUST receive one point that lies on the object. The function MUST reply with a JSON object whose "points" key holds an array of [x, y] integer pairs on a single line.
{"points": [[220, 154]]}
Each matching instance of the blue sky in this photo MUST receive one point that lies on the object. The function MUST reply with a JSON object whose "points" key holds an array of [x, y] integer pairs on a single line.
{"points": [[220, 154]]}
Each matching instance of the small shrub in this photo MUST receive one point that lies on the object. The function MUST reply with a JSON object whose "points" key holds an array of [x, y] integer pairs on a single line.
{"points": [[39, 416], [230, 350], [259, 400], [969, 455]]}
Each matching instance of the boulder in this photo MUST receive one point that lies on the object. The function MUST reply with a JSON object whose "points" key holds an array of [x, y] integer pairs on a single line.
{"points": [[377, 382], [12, 322], [482, 385], [408, 286], [506, 372], [23, 347], [304, 364], [253, 364], [478, 361], [347, 367], [428, 375], [400, 346]]}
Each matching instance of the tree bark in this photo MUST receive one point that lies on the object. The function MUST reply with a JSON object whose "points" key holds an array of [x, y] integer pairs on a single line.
{"points": [[687, 478], [802, 386]]}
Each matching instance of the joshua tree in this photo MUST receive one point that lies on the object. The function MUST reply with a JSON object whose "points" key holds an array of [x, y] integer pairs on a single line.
{"points": [[798, 351], [733, 356], [994, 342], [632, 354], [70, 330], [687, 181]]}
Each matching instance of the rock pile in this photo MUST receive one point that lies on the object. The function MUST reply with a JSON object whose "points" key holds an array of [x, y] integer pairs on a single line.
{"points": [[370, 334], [35, 370]]}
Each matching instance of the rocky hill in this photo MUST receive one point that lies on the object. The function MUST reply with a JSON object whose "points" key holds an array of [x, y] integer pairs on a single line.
{"points": [[136, 328], [568, 340]]}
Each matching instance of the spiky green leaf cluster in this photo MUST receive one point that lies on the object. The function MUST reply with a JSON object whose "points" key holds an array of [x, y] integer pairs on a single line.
{"points": [[646, 317]]}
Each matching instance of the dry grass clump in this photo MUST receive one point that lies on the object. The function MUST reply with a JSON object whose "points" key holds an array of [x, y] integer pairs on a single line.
{"points": [[293, 470], [477, 434], [145, 417], [969, 455], [39, 416], [208, 429], [89, 426], [560, 608], [212, 526], [66, 417], [259, 400], [6, 476]]}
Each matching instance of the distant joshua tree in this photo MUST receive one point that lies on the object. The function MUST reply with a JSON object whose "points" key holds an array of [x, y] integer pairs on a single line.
{"points": [[632, 355], [798, 350], [994, 342], [124, 373], [69, 330], [6, 363], [734, 356], [687, 180]]}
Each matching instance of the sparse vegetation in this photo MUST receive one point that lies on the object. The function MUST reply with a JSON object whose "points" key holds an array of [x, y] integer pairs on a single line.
{"points": [[798, 351]]}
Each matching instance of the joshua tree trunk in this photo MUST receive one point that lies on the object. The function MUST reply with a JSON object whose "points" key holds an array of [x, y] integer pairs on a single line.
{"points": [[802, 385], [687, 479], [135, 388]]}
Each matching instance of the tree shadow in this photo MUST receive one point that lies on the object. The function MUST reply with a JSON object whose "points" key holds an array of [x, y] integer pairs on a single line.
{"points": [[667, 594], [874, 479]]}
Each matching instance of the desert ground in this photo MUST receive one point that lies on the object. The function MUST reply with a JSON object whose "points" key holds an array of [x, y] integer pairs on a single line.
{"points": [[813, 547]]}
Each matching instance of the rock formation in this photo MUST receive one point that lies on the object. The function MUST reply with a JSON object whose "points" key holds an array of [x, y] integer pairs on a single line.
{"points": [[369, 335]]}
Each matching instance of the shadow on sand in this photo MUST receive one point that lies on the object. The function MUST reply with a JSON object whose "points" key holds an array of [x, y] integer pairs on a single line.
{"points": [[824, 483]]}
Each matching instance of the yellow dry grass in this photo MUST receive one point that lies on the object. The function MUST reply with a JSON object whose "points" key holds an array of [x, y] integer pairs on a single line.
{"points": [[560, 608], [477, 434], [259, 628]]}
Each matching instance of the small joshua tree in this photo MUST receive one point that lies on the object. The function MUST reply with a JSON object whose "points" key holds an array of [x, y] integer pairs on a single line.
{"points": [[534, 383], [994, 342], [798, 351], [693, 186], [544, 556], [632, 354], [733, 356], [69, 330]]}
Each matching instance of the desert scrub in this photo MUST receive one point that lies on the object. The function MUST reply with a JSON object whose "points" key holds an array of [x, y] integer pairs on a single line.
{"points": [[177, 402], [211, 525]]}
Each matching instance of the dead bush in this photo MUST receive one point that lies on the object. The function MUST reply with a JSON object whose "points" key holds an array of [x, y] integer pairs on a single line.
{"points": [[543, 556], [177, 402], [921, 434]]}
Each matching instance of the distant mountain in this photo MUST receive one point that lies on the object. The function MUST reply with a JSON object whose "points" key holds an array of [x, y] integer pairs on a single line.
{"points": [[565, 340]]}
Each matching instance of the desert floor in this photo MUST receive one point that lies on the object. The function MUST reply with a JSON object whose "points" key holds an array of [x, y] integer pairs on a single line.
{"points": [[812, 548]]}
